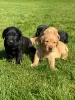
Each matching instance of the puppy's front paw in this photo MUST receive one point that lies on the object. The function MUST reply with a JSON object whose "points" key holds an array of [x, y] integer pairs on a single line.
{"points": [[54, 69], [33, 65], [17, 62], [64, 58], [9, 60]]}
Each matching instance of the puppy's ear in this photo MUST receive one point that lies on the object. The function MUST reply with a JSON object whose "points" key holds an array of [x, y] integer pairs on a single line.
{"points": [[41, 39], [58, 37], [57, 40], [4, 33], [57, 34], [19, 33]]}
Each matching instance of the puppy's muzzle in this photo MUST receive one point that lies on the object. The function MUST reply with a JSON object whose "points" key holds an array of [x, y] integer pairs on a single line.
{"points": [[10, 42]]}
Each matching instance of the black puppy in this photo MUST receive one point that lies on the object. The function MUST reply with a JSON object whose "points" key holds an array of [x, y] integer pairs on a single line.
{"points": [[41, 29], [16, 44], [63, 36]]}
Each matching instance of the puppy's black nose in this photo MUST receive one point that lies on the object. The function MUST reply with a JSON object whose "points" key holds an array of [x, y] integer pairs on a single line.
{"points": [[50, 49], [11, 42]]}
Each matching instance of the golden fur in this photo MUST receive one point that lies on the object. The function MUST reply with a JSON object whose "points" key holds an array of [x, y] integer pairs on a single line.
{"points": [[50, 48], [49, 30], [34, 40]]}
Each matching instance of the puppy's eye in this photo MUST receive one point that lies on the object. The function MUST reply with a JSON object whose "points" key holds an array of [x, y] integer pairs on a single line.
{"points": [[14, 35], [46, 41], [54, 42]]}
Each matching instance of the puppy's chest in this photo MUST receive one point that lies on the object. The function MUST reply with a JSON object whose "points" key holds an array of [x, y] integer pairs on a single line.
{"points": [[46, 55], [43, 54], [13, 51]]}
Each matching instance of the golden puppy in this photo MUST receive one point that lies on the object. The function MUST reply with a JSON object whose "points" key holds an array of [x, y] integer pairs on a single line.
{"points": [[50, 47], [49, 30], [52, 30]]}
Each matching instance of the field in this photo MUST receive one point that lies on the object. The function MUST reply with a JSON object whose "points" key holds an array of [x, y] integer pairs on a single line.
{"points": [[22, 82]]}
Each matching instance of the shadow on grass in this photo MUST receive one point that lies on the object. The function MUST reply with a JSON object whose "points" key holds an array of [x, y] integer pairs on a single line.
{"points": [[2, 54], [31, 55]]}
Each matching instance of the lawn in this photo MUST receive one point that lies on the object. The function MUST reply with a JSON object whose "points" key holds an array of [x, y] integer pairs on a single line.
{"points": [[22, 82]]}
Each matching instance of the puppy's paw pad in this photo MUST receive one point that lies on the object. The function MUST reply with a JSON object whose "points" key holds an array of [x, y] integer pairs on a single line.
{"points": [[56, 69], [64, 58], [32, 65]]}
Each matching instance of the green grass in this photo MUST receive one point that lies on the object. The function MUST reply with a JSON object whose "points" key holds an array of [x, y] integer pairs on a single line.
{"points": [[21, 82]]}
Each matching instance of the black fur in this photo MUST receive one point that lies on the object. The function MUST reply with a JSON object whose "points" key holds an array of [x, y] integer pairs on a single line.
{"points": [[15, 44], [41, 29], [63, 36]]}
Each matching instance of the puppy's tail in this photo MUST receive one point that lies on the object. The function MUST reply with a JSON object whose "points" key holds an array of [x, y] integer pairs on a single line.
{"points": [[34, 40]]}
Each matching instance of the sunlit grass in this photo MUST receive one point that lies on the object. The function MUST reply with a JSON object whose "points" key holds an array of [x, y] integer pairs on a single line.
{"points": [[21, 82]]}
